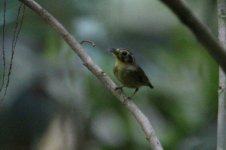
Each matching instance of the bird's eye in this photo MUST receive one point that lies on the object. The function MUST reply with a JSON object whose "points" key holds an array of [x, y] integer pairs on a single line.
{"points": [[124, 53]]}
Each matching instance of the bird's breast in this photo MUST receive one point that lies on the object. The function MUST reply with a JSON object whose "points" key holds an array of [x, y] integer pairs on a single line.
{"points": [[122, 73]]}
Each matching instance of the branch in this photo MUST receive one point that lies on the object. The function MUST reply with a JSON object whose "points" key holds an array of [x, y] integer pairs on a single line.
{"points": [[201, 32], [97, 71], [221, 122], [90, 42]]}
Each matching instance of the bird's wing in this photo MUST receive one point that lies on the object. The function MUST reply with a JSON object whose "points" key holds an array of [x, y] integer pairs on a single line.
{"points": [[137, 74]]}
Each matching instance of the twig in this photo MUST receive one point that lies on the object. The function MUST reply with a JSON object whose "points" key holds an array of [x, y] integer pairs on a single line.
{"points": [[17, 29], [3, 46], [97, 71], [221, 122], [201, 32], [87, 41]]}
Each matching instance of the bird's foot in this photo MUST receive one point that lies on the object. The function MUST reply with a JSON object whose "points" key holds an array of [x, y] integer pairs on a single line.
{"points": [[129, 97], [134, 93], [126, 99], [119, 88]]}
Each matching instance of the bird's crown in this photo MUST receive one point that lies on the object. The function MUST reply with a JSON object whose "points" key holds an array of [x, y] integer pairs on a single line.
{"points": [[123, 55]]}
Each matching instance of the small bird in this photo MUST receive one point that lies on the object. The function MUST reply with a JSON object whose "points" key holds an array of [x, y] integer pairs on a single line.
{"points": [[127, 71]]}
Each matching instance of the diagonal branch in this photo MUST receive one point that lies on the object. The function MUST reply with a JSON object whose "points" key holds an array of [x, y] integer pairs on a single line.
{"points": [[98, 72], [201, 32]]}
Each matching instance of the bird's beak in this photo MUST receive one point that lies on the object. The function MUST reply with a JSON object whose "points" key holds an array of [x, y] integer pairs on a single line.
{"points": [[112, 50]]}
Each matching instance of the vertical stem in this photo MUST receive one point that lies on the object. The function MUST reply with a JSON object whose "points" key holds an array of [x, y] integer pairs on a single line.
{"points": [[221, 128]]}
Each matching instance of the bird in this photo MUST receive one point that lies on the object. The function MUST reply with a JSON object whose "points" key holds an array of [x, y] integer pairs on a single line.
{"points": [[127, 71]]}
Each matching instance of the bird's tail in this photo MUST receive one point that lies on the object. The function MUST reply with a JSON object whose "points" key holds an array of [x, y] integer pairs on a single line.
{"points": [[150, 85]]}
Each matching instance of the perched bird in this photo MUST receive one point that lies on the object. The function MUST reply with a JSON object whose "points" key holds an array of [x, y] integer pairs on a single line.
{"points": [[127, 71]]}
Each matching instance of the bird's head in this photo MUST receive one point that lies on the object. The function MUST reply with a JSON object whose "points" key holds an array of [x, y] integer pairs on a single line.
{"points": [[123, 55]]}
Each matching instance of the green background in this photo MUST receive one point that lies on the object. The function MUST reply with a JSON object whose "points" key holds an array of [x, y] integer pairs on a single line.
{"points": [[50, 85]]}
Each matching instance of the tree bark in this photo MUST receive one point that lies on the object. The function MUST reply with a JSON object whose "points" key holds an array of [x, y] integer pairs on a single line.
{"points": [[221, 128]]}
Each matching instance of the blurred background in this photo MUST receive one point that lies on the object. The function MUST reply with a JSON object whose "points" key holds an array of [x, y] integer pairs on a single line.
{"points": [[53, 102]]}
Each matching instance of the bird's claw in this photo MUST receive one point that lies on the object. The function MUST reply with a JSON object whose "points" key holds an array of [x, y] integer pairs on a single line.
{"points": [[119, 88], [126, 99]]}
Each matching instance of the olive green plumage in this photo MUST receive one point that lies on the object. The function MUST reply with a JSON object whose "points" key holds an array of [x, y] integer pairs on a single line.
{"points": [[127, 71]]}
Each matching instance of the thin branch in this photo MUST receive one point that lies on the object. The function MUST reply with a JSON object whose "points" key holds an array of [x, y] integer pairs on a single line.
{"points": [[221, 124], [98, 72], [201, 32], [17, 29], [3, 46], [87, 41]]}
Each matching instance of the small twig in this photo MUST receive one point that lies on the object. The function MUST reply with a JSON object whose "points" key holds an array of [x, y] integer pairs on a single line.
{"points": [[88, 41], [201, 32], [98, 72], [3, 46], [16, 33]]}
